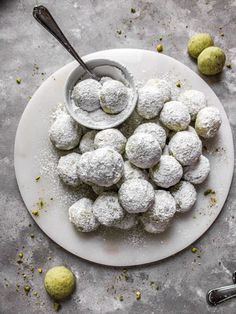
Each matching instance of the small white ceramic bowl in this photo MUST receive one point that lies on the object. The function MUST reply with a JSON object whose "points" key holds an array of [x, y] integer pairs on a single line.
{"points": [[98, 119]]}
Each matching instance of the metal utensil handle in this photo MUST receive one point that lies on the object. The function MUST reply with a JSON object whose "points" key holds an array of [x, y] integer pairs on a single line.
{"points": [[43, 16], [218, 295]]}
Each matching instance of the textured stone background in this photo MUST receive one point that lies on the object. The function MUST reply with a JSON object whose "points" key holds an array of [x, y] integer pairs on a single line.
{"points": [[92, 25]]}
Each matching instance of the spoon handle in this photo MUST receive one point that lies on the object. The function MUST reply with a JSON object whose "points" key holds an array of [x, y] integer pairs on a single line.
{"points": [[43, 16], [218, 295]]}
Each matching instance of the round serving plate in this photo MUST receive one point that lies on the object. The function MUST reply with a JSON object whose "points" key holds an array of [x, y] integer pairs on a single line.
{"points": [[35, 156]]}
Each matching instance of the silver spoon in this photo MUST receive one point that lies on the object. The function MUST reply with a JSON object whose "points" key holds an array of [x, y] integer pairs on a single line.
{"points": [[219, 295], [43, 16]]}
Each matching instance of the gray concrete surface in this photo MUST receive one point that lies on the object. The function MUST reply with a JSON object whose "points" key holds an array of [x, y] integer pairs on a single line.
{"points": [[92, 25]]}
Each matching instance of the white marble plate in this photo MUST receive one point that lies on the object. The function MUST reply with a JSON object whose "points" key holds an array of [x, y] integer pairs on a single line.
{"points": [[34, 156]]}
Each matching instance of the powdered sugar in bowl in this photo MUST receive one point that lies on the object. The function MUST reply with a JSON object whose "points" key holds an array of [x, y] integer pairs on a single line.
{"points": [[97, 118]]}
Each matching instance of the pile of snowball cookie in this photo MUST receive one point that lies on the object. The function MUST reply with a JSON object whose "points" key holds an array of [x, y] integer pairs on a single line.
{"points": [[147, 177]]}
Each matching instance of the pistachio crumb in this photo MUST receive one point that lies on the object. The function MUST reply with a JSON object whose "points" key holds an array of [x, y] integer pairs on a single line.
{"points": [[27, 289], [119, 32], [209, 191], [32, 235], [222, 34], [132, 10], [138, 295], [40, 270], [159, 47], [229, 66], [161, 38], [21, 255], [18, 80], [194, 250], [35, 212], [121, 298], [56, 306], [37, 178], [178, 84]]}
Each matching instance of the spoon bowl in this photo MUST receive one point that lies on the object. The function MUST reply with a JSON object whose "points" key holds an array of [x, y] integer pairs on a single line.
{"points": [[98, 119]]}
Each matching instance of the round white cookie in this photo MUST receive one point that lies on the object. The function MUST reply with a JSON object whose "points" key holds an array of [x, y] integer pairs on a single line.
{"points": [[112, 138], [175, 116], [107, 209], [186, 147], [102, 167], [82, 217], [136, 195], [143, 150], [167, 172], [197, 172], [65, 133], [185, 196]]}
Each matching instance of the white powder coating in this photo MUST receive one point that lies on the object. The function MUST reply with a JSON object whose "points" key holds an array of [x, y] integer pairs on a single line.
{"points": [[164, 206], [186, 147], [175, 116], [163, 86], [185, 196], [102, 167], [65, 133], [128, 222], [150, 102], [132, 172], [208, 122], [198, 172], [107, 209], [86, 95], [81, 215], [154, 129], [114, 96], [167, 172], [194, 100], [152, 225], [143, 150], [127, 128], [67, 169], [158, 217], [110, 138], [101, 189], [87, 142], [136, 195]]}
